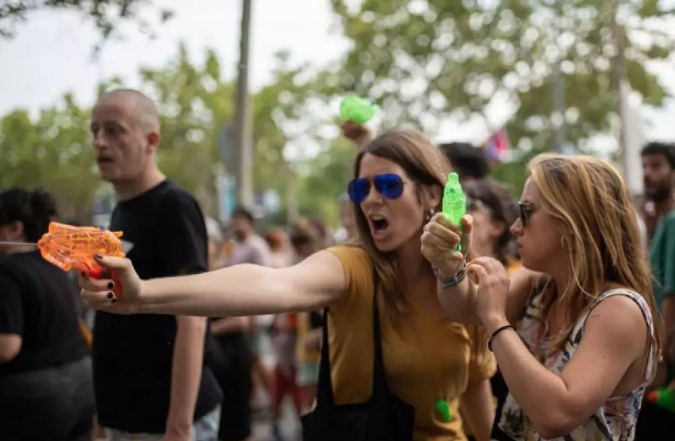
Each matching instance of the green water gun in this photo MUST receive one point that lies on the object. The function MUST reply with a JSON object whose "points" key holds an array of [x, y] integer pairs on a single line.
{"points": [[454, 202], [664, 398], [353, 108]]}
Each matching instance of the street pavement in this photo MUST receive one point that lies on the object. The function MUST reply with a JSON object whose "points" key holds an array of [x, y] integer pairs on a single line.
{"points": [[262, 430]]}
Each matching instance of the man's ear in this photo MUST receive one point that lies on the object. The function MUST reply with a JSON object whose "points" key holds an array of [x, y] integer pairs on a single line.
{"points": [[153, 141], [431, 196]]}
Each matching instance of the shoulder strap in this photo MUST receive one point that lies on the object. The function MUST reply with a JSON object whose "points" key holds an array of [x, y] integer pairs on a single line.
{"points": [[652, 360], [533, 305], [379, 379], [324, 389], [325, 396]]}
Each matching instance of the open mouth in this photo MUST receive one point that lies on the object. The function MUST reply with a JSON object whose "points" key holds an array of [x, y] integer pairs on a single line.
{"points": [[378, 224], [104, 161]]}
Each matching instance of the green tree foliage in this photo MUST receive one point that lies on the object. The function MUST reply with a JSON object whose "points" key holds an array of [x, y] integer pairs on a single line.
{"points": [[106, 15], [280, 117], [195, 100], [52, 151], [329, 173], [424, 60]]}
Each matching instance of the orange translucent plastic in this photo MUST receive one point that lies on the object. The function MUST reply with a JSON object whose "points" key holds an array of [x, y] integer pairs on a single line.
{"points": [[70, 247]]}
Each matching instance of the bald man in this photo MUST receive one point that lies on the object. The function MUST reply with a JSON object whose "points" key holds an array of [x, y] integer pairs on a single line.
{"points": [[150, 378]]}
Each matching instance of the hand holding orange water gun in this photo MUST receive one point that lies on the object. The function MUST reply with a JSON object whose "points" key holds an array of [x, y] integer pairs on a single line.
{"points": [[69, 247]]}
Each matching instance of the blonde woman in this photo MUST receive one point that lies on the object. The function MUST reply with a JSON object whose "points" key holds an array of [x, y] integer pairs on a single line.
{"points": [[587, 346]]}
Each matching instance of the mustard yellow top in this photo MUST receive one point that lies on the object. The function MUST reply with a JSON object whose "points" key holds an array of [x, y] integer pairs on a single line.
{"points": [[408, 374]]}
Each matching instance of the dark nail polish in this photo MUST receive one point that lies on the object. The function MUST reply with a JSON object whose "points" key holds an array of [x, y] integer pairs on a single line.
{"points": [[110, 285], [114, 300], [98, 256], [83, 274], [111, 295]]}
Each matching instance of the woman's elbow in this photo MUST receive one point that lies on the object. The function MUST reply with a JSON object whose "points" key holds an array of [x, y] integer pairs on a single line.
{"points": [[554, 430], [558, 423]]}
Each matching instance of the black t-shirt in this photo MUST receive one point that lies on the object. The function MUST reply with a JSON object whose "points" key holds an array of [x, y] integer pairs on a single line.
{"points": [[38, 302], [500, 391], [228, 350], [133, 355]]}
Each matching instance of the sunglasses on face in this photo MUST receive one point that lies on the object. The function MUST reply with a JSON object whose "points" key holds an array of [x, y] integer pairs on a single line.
{"points": [[388, 185], [525, 212]]}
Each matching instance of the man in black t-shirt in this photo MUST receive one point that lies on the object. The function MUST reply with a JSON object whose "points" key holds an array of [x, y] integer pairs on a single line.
{"points": [[150, 378]]}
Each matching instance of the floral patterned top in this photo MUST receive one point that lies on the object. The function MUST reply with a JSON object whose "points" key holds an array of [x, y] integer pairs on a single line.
{"points": [[615, 420]]}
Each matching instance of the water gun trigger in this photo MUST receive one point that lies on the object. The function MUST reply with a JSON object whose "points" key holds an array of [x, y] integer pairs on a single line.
{"points": [[97, 272], [93, 271]]}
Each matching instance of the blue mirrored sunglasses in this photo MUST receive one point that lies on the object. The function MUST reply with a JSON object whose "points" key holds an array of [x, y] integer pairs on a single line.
{"points": [[388, 185]]}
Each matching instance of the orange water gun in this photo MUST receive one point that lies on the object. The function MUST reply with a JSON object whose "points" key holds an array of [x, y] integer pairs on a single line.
{"points": [[73, 248]]}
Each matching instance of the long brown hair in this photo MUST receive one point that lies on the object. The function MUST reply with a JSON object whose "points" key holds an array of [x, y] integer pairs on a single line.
{"points": [[589, 197], [503, 208], [425, 165]]}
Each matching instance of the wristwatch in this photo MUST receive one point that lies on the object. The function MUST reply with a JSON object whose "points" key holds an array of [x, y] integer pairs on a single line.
{"points": [[450, 282]]}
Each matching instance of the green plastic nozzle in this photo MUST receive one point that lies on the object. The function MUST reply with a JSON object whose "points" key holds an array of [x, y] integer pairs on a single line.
{"points": [[443, 408], [664, 398], [454, 202], [353, 108]]}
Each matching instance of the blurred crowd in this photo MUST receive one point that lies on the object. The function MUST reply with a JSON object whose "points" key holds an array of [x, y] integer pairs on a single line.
{"points": [[68, 373]]}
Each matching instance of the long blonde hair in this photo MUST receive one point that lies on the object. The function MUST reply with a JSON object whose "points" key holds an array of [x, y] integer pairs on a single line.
{"points": [[589, 197]]}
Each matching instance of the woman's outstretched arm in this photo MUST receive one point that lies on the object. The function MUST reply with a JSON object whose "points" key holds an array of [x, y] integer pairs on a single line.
{"points": [[240, 290]]}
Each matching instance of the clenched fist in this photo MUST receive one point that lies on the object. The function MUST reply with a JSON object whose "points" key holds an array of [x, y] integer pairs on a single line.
{"points": [[439, 239], [100, 293]]}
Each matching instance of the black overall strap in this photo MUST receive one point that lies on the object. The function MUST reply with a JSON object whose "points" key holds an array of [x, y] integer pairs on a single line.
{"points": [[325, 396], [324, 389], [380, 388]]}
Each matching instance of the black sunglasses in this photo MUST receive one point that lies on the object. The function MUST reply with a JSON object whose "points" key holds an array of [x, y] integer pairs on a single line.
{"points": [[525, 212], [388, 185]]}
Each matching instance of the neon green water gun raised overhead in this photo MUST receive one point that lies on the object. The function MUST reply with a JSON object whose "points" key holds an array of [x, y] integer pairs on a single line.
{"points": [[353, 108], [454, 202]]}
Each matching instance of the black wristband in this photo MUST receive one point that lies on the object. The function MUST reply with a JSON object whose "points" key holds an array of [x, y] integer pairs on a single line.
{"points": [[497, 332], [451, 282]]}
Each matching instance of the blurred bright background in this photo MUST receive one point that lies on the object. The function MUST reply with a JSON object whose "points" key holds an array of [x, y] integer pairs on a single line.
{"points": [[459, 70]]}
